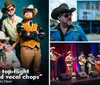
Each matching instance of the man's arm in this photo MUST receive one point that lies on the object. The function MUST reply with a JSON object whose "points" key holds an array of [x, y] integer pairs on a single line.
{"points": [[3, 66], [13, 46], [90, 61], [82, 34]]}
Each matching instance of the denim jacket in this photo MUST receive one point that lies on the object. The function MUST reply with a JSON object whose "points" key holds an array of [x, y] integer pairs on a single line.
{"points": [[74, 33]]}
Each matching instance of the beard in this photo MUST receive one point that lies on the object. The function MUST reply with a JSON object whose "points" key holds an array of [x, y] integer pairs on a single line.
{"points": [[69, 23], [27, 19], [11, 15]]}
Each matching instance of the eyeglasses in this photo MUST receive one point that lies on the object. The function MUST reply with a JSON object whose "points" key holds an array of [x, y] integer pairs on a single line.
{"points": [[2, 41], [66, 15], [10, 9]]}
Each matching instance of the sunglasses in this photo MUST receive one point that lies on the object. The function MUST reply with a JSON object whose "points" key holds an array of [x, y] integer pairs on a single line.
{"points": [[2, 41], [10, 9], [66, 15]]}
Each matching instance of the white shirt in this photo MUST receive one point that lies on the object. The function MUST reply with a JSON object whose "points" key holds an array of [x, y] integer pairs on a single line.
{"points": [[10, 27], [52, 56], [69, 60]]}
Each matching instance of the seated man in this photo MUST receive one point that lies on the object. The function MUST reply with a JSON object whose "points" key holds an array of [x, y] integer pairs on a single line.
{"points": [[8, 60]]}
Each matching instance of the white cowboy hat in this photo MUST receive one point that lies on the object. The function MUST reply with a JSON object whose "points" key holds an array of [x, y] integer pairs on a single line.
{"points": [[30, 7], [3, 36], [69, 52]]}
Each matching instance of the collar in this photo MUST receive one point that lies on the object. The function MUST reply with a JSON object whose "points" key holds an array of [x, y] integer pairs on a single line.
{"points": [[15, 19], [70, 27]]}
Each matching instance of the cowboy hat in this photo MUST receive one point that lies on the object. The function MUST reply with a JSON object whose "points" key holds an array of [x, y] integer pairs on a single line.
{"points": [[3, 36], [98, 56], [90, 54], [61, 9], [7, 5], [30, 7], [69, 52], [52, 48]]}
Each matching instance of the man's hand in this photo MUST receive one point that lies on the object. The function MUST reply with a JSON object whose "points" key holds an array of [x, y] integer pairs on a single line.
{"points": [[5, 66], [9, 66], [9, 48]]}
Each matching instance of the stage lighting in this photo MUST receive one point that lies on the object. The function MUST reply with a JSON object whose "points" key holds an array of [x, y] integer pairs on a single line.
{"points": [[81, 75], [93, 74], [64, 77]]}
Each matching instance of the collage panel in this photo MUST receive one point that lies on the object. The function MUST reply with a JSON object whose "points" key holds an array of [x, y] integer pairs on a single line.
{"points": [[24, 31], [74, 63], [74, 42], [74, 20]]}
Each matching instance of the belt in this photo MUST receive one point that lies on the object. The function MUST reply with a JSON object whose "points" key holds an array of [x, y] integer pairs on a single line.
{"points": [[31, 48]]}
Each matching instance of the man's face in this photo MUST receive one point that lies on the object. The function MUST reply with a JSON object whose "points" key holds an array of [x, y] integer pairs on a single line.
{"points": [[70, 54], [65, 18], [91, 55], [11, 11], [28, 14], [2, 43], [82, 55]]}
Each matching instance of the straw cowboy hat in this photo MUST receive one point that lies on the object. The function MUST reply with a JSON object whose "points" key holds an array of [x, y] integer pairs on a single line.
{"points": [[7, 5], [3, 36], [69, 52], [30, 7], [52, 48], [98, 56], [61, 9]]}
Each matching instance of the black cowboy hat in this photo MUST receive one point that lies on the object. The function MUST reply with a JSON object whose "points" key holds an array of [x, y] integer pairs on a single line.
{"points": [[61, 9]]}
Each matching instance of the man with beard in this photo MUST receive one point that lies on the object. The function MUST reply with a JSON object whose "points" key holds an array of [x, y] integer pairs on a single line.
{"points": [[65, 30], [9, 24], [90, 63], [69, 62], [82, 62], [29, 37]]}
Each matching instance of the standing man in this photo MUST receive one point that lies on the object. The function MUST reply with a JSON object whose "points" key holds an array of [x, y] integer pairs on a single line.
{"points": [[29, 36], [91, 63], [82, 61], [9, 24], [65, 30], [69, 62], [53, 67], [97, 63]]}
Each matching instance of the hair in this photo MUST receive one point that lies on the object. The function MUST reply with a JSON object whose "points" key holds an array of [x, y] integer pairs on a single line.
{"points": [[81, 53]]}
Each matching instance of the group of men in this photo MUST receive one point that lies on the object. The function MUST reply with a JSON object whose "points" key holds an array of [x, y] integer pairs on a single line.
{"points": [[24, 36], [84, 62], [53, 62]]}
